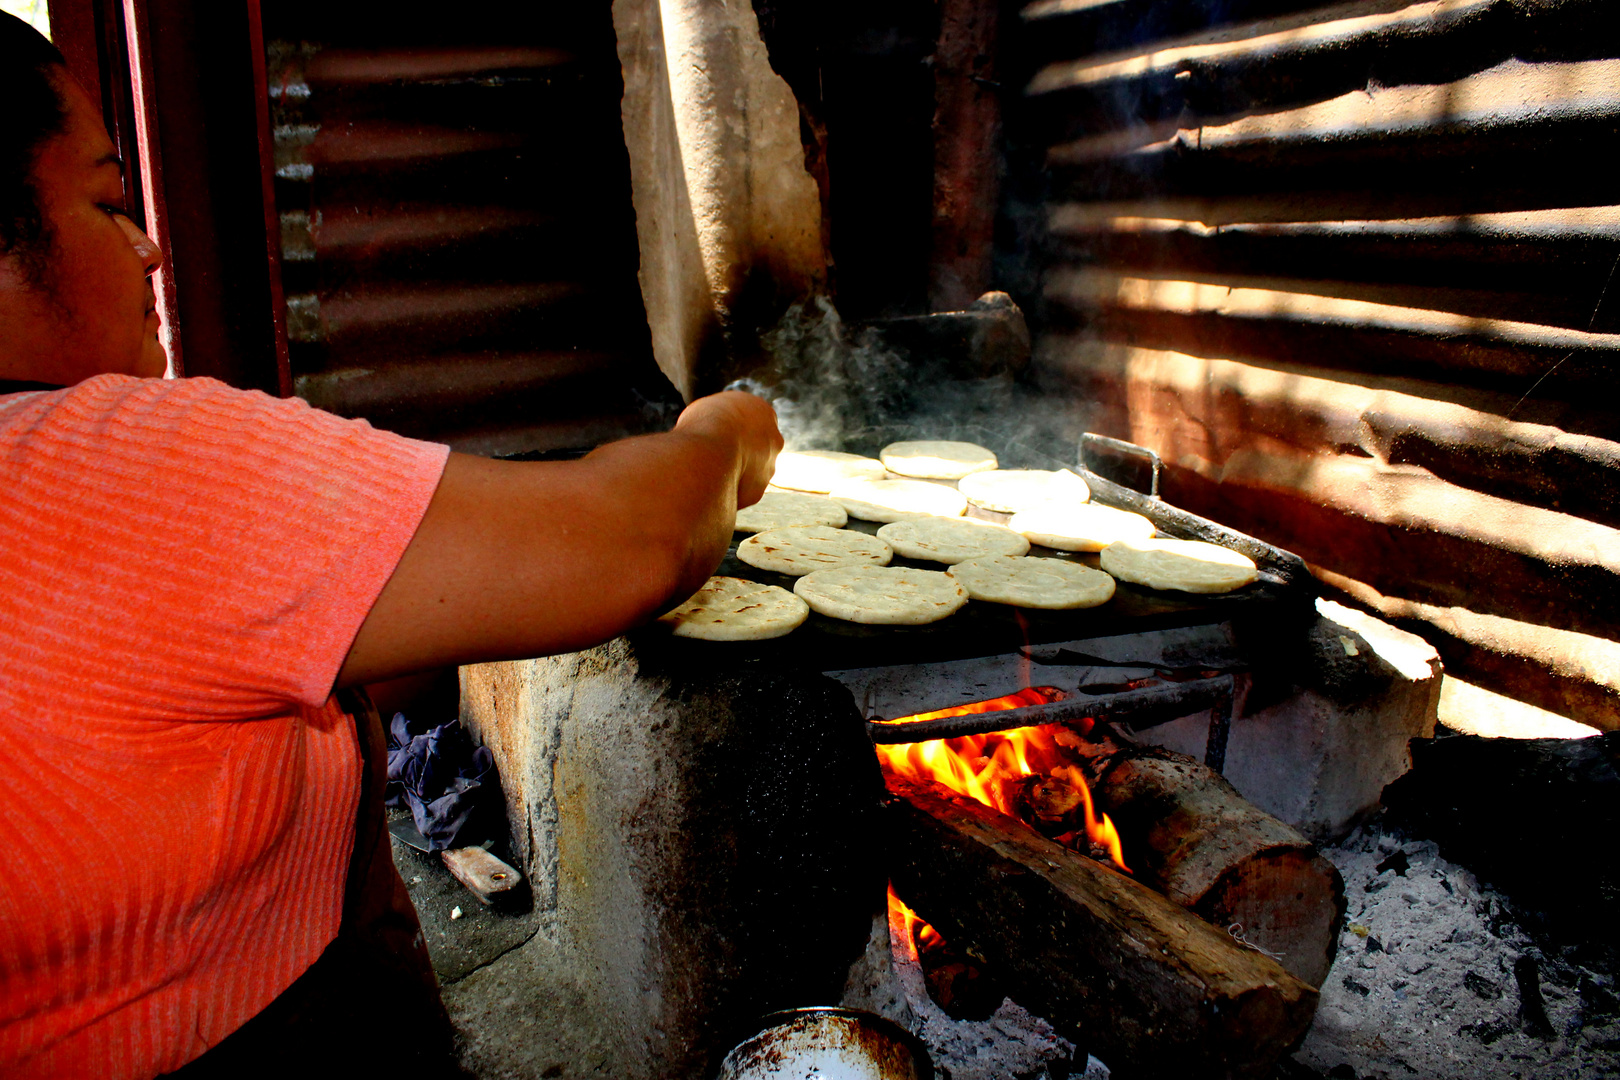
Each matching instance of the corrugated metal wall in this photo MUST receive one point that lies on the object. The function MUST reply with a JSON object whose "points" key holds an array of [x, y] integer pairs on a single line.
{"points": [[1352, 271], [457, 237]]}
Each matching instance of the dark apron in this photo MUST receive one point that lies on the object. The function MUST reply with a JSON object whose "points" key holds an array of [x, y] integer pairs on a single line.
{"points": [[369, 1006]]}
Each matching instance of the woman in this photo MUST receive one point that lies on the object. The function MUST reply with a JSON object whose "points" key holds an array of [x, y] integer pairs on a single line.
{"points": [[188, 576]]}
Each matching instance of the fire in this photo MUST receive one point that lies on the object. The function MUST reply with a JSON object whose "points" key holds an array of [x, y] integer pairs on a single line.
{"points": [[1008, 771], [920, 937]]}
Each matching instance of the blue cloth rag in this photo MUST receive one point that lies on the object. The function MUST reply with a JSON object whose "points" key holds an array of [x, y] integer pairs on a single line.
{"points": [[448, 783]]}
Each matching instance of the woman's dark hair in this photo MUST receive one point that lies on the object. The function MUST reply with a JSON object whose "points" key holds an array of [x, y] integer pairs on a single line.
{"points": [[34, 112]]}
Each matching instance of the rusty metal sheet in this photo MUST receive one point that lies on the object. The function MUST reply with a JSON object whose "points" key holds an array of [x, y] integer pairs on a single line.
{"points": [[457, 238], [1351, 272]]}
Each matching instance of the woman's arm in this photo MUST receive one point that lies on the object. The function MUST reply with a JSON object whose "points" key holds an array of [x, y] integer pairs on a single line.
{"points": [[517, 559]]}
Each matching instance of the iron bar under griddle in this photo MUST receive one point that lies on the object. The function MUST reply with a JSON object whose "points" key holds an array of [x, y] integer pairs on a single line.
{"points": [[1137, 709]]}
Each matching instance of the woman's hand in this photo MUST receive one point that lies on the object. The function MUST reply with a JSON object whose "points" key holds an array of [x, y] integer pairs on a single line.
{"points": [[752, 422]]}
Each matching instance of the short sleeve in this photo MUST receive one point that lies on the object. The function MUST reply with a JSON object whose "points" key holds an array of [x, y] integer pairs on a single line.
{"points": [[184, 550]]}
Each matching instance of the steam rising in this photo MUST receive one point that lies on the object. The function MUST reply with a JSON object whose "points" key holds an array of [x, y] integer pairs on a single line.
{"points": [[825, 386], [835, 387]]}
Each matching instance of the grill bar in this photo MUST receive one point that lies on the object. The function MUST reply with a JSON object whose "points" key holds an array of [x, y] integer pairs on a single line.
{"points": [[1143, 708]]}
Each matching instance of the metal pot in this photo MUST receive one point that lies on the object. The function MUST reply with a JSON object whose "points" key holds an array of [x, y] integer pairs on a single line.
{"points": [[828, 1044]]}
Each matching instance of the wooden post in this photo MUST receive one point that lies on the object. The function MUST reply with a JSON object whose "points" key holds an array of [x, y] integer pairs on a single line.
{"points": [[967, 153]]}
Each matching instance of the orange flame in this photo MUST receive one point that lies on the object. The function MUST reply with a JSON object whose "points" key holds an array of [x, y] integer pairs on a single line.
{"points": [[920, 936], [988, 768]]}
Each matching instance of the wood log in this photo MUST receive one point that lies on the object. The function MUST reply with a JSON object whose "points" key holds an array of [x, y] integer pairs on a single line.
{"points": [[1190, 835], [1149, 987]]}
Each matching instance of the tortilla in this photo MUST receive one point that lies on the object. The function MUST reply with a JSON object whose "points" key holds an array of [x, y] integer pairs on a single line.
{"points": [[1008, 491], [1053, 584], [1079, 527], [936, 460], [950, 540], [802, 550], [882, 595], [784, 509], [822, 470], [734, 609], [1184, 565], [896, 500]]}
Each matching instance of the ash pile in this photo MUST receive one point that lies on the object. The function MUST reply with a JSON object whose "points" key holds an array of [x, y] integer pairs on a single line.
{"points": [[1481, 934]]}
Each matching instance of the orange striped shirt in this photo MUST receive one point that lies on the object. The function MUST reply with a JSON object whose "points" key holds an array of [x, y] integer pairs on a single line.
{"points": [[183, 567]]}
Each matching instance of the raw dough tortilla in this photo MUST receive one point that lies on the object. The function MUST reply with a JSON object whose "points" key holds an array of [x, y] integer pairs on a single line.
{"points": [[822, 470], [1081, 527], [936, 459], [1185, 565], [784, 509], [1034, 583], [950, 540], [733, 609], [1008, 491], [882, 595], [896, 500], [802, 550]]}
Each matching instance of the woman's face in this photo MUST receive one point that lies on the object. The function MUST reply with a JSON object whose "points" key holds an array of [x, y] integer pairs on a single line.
{"points": [[90, 309]]}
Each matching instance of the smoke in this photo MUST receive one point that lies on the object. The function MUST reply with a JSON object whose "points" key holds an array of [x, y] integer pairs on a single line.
{"points": [[835, 387], [826, 385]]}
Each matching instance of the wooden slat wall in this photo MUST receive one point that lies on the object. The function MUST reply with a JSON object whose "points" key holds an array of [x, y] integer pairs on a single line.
{"points": [[1354, 272]]}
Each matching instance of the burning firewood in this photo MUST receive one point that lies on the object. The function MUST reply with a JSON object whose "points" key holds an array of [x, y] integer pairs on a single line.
{"points": [[1189, 834], [1142, 981], [1174, 822], [1056, 806]]}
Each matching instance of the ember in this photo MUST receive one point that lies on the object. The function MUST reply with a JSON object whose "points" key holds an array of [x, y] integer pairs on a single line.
{"points": [[1025, 773]]}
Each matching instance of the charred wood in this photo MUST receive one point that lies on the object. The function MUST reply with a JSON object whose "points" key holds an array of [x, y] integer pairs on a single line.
{"points": [[1153, 988]]}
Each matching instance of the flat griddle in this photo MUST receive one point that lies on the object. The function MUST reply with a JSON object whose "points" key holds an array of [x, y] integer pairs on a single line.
{"points": [[1284, 590]]}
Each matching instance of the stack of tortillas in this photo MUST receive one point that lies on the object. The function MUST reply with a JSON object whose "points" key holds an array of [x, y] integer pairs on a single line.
{"points": [[1186, 565], [950, 540], [799, 551], [1008, 491], [785, 509], [1080, 526], [936, 459], [822, 470], [731, 609], [1033, 583], [886, 595], [896, 500]]}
